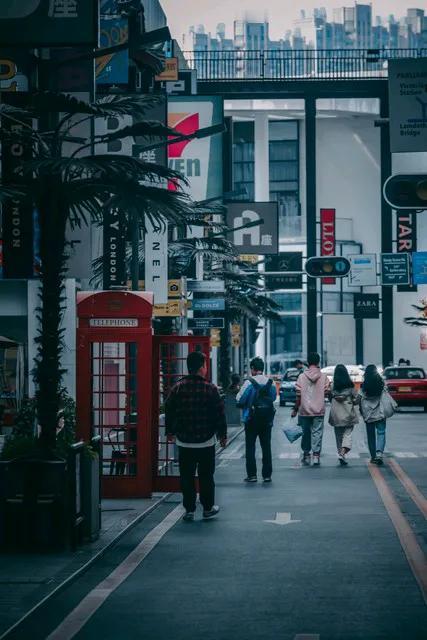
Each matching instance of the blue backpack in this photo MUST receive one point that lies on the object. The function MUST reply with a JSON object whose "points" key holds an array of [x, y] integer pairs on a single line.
{"points": [[262, 410]]}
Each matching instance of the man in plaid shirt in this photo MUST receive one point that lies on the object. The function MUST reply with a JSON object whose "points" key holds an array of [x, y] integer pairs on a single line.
{"points": [[194, 416]]}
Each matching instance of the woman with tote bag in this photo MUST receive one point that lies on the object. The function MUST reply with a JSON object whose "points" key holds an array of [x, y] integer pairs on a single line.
{"points": [[344, 414], [376, 405]]}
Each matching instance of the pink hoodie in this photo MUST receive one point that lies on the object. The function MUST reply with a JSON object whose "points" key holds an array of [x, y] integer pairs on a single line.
{"points": [[311, 387]]}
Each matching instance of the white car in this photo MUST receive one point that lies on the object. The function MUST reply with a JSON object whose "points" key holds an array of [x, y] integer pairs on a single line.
{"points": [[356, 373]]}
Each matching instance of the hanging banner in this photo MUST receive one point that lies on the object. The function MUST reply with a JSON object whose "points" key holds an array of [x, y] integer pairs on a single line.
{"points": [[327, 237], [156, 239], [423, 339], [46, 23], [199, 160], [114, 271], [113, 68], [406, 238], [17, 217]]}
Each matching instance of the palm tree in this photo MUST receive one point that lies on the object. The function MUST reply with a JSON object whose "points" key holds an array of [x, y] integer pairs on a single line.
{"points": [[69, 190], [421, 320]]}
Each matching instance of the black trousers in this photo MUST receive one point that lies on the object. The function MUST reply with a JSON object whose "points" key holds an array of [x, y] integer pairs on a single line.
{"points": [[252, 432], [203, 461]]}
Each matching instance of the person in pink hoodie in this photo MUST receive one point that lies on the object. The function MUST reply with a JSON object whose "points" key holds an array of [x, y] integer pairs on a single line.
{"points": [[311, 387]]}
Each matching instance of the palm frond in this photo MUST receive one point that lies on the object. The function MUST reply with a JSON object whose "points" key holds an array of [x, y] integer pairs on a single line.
{"points": [[146, 129]]}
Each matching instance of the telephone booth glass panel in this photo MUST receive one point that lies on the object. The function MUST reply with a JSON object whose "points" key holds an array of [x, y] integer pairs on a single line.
{"points": [[115, 405]]}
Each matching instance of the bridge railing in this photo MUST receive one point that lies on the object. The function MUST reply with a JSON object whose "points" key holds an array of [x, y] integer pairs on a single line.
{"points": [[293, 64]]}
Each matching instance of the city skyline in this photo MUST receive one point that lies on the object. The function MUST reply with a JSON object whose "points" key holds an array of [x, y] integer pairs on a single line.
{"points": [[187, 13]]}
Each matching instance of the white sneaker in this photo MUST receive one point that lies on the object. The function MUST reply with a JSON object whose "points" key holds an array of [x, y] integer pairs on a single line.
{"points": [[212, 513], [316, 460]]}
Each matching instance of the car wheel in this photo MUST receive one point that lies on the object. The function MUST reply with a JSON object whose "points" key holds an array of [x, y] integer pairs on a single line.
{"points": [[425, 408]]}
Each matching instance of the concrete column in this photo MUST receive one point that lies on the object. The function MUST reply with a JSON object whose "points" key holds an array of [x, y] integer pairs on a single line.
{"points": [[262, 194]]}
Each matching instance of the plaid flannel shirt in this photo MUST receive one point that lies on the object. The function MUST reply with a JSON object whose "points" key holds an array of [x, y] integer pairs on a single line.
{"points": [[194, 411]]}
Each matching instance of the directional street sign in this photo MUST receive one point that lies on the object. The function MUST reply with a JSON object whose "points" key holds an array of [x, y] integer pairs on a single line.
{"points": [[408, 104], [419, 267], [206, 286], [208, 304], [363, 272], [394, 268], [206, 323]]}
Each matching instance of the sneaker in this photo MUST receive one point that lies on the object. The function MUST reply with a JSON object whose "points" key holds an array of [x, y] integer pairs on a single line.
{"points": [[251, 479], [212, 513], [379, 461], [188, 517], [267, 480], [316, 460], [306, 459], [341, 457]]}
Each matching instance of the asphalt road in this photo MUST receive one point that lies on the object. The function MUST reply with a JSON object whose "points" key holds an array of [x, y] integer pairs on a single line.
{"points": [[313, 555]]}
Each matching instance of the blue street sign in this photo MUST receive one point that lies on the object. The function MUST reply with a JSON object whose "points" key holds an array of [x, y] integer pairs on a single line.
{"points": [[394, 268], [419, 267], [208, 304]]}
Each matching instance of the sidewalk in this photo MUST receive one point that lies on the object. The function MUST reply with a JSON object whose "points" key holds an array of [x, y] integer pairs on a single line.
{"points": [[26, 579]]}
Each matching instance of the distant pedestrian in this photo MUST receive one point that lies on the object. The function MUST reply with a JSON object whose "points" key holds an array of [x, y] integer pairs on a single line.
{"points": [[311, 387], [344, 414], [194, 415], [234, 386], [375, 406], [256, 398], [299, 364]]}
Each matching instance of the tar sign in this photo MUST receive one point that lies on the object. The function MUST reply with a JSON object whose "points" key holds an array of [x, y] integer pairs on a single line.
{"points": [[366, 305]]}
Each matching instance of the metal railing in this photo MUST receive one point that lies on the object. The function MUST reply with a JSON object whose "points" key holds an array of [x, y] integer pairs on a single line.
{"points": [[292, 64]]}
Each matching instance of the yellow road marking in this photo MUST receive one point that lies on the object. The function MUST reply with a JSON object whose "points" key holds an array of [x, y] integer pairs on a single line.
{"points": [[413, 552], [411, 487]]}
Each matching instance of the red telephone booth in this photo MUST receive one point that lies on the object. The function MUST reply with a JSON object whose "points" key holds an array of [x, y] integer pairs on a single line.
{"points": [[114, 386], [124, 375]]}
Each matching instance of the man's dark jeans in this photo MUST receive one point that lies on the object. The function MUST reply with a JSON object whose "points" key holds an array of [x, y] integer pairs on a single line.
{"points": [[263, 432], [202, 460]]}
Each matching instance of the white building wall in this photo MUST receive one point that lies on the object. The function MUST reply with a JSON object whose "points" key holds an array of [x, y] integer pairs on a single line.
{"points": [[348, 179]]}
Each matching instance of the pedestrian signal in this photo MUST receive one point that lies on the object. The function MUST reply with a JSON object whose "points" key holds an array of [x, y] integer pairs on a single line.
{"points": [[406, 191], [330, 266]]}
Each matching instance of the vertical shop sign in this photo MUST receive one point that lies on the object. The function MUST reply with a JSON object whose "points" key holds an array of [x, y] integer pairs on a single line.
{"points": [[327, 237], [406, 238]]}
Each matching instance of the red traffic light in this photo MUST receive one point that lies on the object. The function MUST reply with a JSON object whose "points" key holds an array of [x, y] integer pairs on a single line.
{"points": [[406, 191], [330, 266]]}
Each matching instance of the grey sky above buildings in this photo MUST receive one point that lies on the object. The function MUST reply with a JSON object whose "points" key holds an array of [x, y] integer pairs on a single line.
{"points": [[280, 13]]}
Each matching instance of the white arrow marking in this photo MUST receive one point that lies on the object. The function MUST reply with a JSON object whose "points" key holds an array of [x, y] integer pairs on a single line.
{"points": [[282, 519]]}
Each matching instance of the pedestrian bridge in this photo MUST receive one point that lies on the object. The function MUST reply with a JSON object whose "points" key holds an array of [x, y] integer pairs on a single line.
{"points": [[339, 73]]}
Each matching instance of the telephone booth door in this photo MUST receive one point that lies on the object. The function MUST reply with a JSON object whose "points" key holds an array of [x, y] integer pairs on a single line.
{"points": [[169, 365], [114, 386]]}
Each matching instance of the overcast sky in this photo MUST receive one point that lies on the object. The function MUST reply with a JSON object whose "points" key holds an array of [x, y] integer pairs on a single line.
{"points": [[281, 13]]}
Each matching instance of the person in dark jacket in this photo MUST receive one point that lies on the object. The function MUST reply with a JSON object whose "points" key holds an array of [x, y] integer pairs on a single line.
{"points": [[194, 417]]}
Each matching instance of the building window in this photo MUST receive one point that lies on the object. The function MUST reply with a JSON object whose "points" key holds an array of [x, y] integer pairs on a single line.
{"points": [[284, 176], [289, 302], [244, 158]]}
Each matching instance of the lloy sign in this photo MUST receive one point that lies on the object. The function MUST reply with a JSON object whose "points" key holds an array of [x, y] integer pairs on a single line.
{"points": [[327, 237], [262, 236], [46, 23], [199, 160]]}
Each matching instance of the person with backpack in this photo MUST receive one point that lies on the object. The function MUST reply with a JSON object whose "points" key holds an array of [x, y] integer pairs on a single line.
{"points": [[376, 405], [344, 414], [311, 387], [256, 399]]}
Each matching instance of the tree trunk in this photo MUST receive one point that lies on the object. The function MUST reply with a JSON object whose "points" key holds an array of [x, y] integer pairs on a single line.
{"points": [[48, 373]]}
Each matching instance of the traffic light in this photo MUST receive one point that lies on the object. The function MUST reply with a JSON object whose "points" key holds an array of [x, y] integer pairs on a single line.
{"points": [[330, 266], [406, 191]]}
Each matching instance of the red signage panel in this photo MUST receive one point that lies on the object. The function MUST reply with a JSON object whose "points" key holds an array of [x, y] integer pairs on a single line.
{"points": [[327, 237]]}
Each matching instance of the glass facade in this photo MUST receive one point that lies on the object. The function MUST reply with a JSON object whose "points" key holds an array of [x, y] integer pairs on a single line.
{"points": [[244, 158], [284, 176]]}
